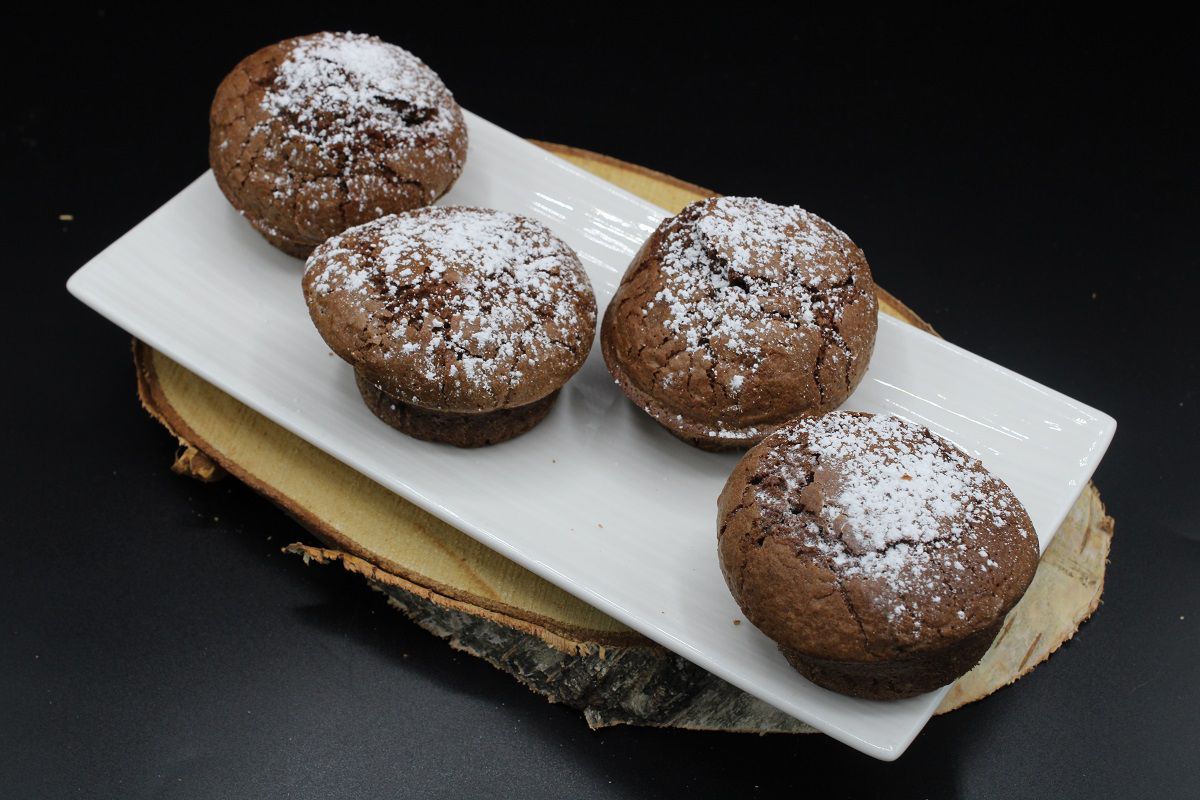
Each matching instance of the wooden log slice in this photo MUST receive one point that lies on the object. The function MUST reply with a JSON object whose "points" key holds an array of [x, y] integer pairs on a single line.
{"points": [[485, 605]]}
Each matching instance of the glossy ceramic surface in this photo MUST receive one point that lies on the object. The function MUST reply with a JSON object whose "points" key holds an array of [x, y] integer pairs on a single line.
{"points": [[597, 499]]}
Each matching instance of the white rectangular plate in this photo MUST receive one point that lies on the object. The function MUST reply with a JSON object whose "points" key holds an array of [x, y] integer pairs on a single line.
{"points": [[597, 499]]}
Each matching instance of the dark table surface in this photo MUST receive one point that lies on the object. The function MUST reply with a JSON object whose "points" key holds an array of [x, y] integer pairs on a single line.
{"points": [[1027, 184]]}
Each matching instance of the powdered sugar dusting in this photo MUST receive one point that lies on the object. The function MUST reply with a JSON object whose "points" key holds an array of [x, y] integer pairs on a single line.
{"points": [[468, 295], [342, 94], [892, 503], [744, 263]]}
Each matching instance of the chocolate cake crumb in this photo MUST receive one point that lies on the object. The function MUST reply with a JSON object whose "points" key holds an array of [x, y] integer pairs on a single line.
{"points": [[738, 315], [880, 557], [453, 311], [318, 133]]}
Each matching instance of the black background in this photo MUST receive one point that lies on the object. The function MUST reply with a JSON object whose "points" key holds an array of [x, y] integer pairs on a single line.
{"points": [[1027, 184]]}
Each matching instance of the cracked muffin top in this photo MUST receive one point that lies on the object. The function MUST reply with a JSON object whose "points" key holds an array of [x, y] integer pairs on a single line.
{"points": [[860, 537], [738, 315], [318, 133], [454, 309]]}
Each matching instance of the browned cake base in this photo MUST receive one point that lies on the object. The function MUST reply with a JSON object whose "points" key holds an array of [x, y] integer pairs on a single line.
{"points": [[460, 430], [896, 679], [694, 434], [293, 247]]}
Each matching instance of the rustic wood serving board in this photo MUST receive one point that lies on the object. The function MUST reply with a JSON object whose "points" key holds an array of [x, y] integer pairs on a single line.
{"points": [[488, 606]]}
